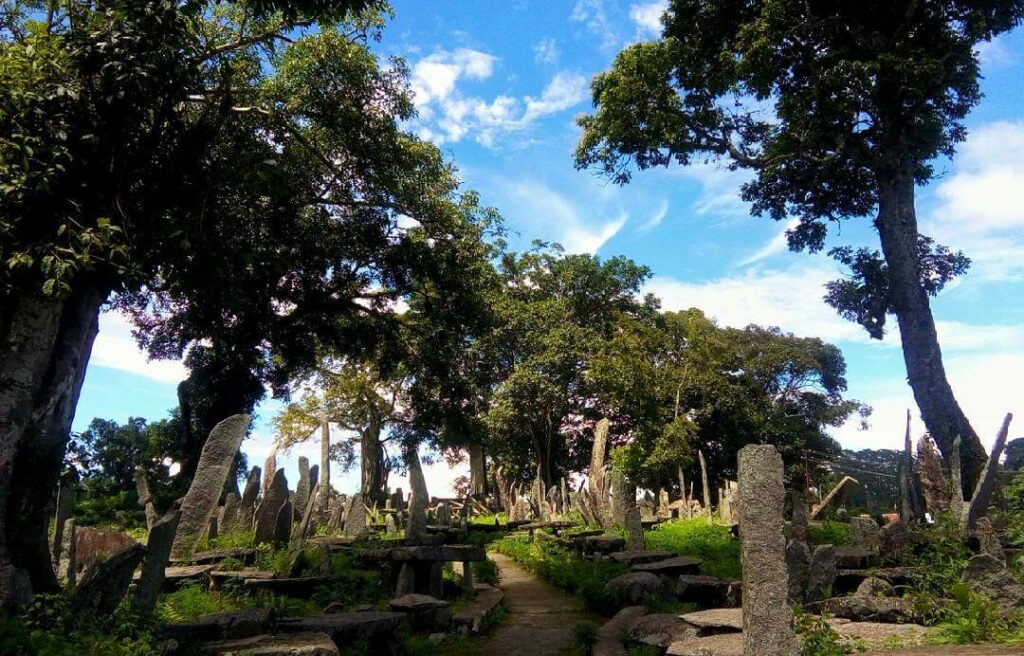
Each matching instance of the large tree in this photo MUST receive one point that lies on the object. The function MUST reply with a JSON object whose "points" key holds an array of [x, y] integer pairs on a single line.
{"points": [[839, 109], [238, 186]]}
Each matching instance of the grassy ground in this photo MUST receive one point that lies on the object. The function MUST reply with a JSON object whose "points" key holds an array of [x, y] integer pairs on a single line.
{"points": [[714, 544]]}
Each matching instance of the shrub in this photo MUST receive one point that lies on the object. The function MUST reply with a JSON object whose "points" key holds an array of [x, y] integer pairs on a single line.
{"points": [[974, 619], [486, 571], [584, 637], [191, 600], [714, 544], [817, 638], [831, 532]]}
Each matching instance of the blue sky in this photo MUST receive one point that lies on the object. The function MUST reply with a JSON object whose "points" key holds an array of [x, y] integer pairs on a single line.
{"points": [[497, 89]]}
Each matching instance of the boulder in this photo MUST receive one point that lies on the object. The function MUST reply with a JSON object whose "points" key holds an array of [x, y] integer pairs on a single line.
{"points": [[672, 567], [877, 635], [798, 565], [708, 591], [661, 629], [987, 576], [874, 609], [104, 584], [90, 543], [635, 588], [639, 557], [728, 644], [609, 636], [230, 625], [894, 538], [865, 533], [295, 644], [874, 587], [823, 571], [716, 620]]}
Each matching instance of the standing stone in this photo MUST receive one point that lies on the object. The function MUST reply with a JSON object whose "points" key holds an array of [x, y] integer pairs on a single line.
{"points": [[227, 522], [767, 618], [983, 490], [397, 499], [416, 529], [704, 482], [595, 481], [266, 513], [62, 514], [211, 528], [325, 465], [865, 533], [67, 563], [215, 465], [145, 498], [283, 525], [726, 498], [933, 482], [798, 565], [103, 585], [444, 514], [956, 487], [307, 526], [389, 525], [798, 526], [988, 540], [247, 506], [636, 529], [622, 499], [302, 487], [464, 513], [314, 481], [355, 520], [158, 550], [823, 573], [336, 514], [269, 469], [894, 538]]}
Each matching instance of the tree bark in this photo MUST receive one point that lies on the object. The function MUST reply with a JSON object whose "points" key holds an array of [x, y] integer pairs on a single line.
{"points": [[44, 349], [372, 462], [477, 471], [898, 231]]}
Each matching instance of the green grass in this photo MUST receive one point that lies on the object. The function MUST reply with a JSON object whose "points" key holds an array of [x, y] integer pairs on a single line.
{"points": [[714, 544], [831, 532]]}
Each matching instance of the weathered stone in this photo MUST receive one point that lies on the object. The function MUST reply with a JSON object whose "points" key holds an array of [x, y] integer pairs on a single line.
{"points": [[854, 557], [798, 524], [247, 504], [266, 513], [708, 591], [145, 498], [15, 587], [933, 482], [416, 529], [295, 644], [471, 618], [661, 629], [595, 481], [347, 628], [767, 618], [302, 488], [609, 635], [716, 620], [874, 587], [865, 533], [728, 644], [212, 528], [227, 520], [424, 611], [104, 584], [283, 525], [67, 564], [335, 513], [216, 462], [92, 544], [355, 521], [978, 505], [639, 557], [444, 514], [894, 537], [635, 529], [623, 496], [635, 588], [798, 564], [863, 608], [61, 515], [229, 625], [988, 540], [406, 580], [989, 577], [158, 551], [671, 566], [390, 528], [858, 636], [822, 573], [603, 544]]}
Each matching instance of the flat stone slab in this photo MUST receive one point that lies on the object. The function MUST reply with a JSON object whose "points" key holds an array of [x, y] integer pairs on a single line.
{"points": [[294, 644], [609, 636], [206, 557], [448, 553], [640, 557], [726, 644], [847, 580], [333, 543], [709, 591], [674, 566], [873, 609], [716, 620], [181, 573], [471, 617], [295, 587], [603, 543], [241, 574], [417, 603], [661, 630], [345, 628], [229, 625], [854, 557], [878, 635]]}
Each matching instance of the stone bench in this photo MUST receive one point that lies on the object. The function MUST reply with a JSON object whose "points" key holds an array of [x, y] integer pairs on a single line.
{"points": [[422, 567], [246, 556], [174, 576], [314, 643], [470, 619], [378, 628]]}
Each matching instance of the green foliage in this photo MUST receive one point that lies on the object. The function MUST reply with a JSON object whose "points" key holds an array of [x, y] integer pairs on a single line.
{"points": [[192, 600], [486, 571], [1014, 495], [714, 544], [943, 559], [584, 637], [831, 532], [563, 569], [240, 539], [817, 638], [975, 619]]}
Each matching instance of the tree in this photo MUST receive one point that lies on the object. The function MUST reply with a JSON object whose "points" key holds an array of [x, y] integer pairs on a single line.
{"points": [[553, 312], [839, 109], [236, 184]]}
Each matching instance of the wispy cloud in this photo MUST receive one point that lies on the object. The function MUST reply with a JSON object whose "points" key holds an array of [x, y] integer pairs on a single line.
{"points": [[656, 218], [546, 51], [115, 348], [647, 17], [776, 245], [593, 15]]}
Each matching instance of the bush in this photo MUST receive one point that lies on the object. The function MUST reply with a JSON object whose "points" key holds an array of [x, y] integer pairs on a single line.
{"points": [[973, 619], [714, 544], [191, 600], [486, 571], [817, 638], [831, 532], [584, 637]]}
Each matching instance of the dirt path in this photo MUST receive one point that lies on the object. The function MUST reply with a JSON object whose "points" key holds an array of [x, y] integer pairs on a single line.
{"points": [[540, 617]]}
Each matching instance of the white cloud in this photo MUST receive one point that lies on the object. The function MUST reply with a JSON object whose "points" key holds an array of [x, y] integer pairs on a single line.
{"points": [[778, 244], [593, 15], [546, 51], [993, 54], [656, 218], [648, 18], [542, 212], [115, 348], [447, 115]]}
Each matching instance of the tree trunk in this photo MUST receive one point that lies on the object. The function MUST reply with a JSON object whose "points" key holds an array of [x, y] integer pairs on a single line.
{"points": [[372, 462], [477, 471], [325, 456], [897, 228], [44, 349]]}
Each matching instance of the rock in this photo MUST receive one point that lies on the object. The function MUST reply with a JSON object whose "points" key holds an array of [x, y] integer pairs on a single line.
{"points": [[15, 587], [355, 520], [425, 612], [603, 544], [716, 620], [635, 587], [609, 635], [623, 496], [639, 557], [266, 513], [874, 609], [470, 619], [104, 584], [635, 529], [988, 540], [894, 537], [865, 533], [416, 528], [65, 500], [729, 644], [230, 625], [799, 523], [661, 629], [708, 591], [283, 525], [211, 530], [302, 488], [854, 557], [296, 644], [877, 635], [347, 628], [92, 544], [390, 528], [247, 504], [822, 576], [227, 520], [987, 576], [874, 587], [67, 567], [671, 567], [158, 545], [216, 462], [798, 565], [767, 617]]}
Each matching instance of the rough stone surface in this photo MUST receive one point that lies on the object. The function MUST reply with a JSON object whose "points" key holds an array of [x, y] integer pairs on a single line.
{"points": [[355, 521], [215, 465], [708, 591], [673, 566], [103, 585], [728, 644], [989, 577], [798, 564], [822, 573], [227, 520], [158, 546], [67, 566], [635, 588], [346, 628], [416, 528], [877, 635], [635, 529], [874, 609], [874, 587], [894, 537], [661, 629], [61, 516], [302, 488], [639, 557], [716, 620], [247, 504], [623, 497], [470, 618], [767, 618], [798, 525], [90, 543], [266, 513], [595, 481], [296, 644], [283, 524], [604, 544], [229, 625], [865, 532], [988, 540], [609, 636], [390, 528]]}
